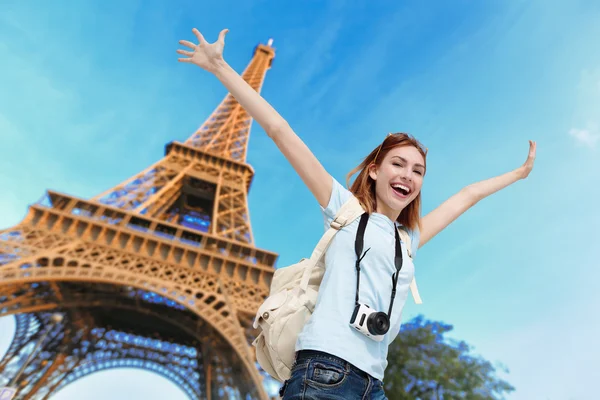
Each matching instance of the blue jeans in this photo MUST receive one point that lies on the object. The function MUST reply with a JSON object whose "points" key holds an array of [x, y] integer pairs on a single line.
{"points": [[321, 376]]}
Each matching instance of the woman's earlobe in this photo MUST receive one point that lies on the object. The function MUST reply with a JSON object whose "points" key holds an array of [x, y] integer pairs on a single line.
{"points": [[373, 171]]}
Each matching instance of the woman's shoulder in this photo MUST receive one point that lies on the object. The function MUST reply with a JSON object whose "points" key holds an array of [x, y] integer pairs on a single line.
{"points": [[339, 196], [414, 235]]}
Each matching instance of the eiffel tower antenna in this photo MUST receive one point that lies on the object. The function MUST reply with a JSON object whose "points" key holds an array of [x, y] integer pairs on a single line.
{"points": [[159, 272]]}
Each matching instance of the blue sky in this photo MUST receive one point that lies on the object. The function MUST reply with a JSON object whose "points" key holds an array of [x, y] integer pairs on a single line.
{"points": [[91, 92]]}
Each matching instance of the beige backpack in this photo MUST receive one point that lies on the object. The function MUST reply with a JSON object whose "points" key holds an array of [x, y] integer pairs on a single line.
{"points": [[293, 296]]}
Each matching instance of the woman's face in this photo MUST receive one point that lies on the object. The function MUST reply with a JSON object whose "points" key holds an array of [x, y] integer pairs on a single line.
{"points": [[398, 179]]}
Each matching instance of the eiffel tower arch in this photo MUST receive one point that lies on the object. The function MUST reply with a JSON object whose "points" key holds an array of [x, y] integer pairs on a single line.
{"points": [[160, 272]]}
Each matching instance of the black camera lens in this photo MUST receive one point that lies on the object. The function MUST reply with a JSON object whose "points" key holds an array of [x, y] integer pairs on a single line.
{"points": [[378, 323]]}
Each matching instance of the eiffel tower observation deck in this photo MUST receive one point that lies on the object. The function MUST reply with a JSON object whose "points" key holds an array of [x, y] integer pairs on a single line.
{"points": [[159, 272]]}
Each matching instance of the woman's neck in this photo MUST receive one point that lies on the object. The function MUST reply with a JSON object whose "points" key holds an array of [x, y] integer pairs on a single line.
{"points": [[387, 211]]}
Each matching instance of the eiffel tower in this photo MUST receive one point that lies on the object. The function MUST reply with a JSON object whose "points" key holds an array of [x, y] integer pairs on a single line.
{"points": [[158, 273]]}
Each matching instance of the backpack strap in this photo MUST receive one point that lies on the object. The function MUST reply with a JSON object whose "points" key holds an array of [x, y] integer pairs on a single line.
{"points": [[413, 285], [349, 211]]}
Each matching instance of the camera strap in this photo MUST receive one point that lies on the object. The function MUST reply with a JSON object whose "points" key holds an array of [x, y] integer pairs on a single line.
{"points": [[358, 248]]}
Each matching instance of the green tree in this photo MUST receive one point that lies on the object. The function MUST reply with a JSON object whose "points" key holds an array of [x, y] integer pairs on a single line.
{"points": [[423, 365]]}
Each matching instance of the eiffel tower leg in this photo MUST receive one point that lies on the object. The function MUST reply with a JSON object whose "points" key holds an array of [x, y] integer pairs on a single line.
{"points": [[43, 380], [22, 331], [55, 319], [37, 364], [207, 370], [45, 373]]}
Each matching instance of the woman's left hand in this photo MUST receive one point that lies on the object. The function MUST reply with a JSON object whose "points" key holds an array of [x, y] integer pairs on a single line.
{"points": [[526, 168]]}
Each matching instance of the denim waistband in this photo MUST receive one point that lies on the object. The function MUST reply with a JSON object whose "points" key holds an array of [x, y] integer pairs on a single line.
{"points": [[305, 355]]}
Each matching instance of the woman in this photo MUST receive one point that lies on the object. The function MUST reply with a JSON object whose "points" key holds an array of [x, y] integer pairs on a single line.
{"points": [[334, 360]]}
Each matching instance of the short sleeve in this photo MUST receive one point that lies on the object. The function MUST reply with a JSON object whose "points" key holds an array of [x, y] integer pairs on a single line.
{"points": [[415, 237], [339, 196]]}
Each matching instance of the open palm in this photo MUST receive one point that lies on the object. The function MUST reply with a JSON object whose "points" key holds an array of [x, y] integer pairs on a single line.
{"points": [[528, 165], [205, 55]]}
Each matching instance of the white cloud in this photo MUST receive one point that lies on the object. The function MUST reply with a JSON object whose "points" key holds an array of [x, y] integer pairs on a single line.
{"points": [[586, 111], [586, 137]]}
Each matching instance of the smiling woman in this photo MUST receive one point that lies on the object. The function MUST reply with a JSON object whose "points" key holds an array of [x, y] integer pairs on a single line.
{"points": [[341, 351]]}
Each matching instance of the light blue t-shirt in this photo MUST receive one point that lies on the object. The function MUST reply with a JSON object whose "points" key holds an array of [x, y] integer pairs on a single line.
{"points": [[329, 329]]}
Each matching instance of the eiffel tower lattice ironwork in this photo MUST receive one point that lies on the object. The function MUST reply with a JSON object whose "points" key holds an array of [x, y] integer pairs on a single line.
{"points": [[158, 273]]}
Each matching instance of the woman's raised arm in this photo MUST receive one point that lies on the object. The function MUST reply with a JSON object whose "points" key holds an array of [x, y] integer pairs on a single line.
{"points": [[210, 58], [438, 219]]}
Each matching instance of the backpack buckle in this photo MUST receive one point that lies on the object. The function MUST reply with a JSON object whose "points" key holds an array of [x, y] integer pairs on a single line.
{"points": [[337, 225]]}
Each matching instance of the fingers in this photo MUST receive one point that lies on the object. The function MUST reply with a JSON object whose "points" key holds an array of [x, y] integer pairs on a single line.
{"points": [[187, 44], [201, 38], [198, 35], [532, 146], [222, 35], [531, 155], [185, 53]]}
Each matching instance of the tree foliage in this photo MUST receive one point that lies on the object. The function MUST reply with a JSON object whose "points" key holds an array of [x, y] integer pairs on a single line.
{"points": [[423, 365]]}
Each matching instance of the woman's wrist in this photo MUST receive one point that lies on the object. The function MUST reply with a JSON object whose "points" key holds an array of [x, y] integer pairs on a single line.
{"points": [[220, 67]]}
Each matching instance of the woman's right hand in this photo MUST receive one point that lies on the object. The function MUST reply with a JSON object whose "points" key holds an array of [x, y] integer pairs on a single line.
{"points": [[208, 56]]}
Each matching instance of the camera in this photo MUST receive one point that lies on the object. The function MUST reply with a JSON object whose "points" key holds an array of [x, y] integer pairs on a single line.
{"points": [[371, 323]]}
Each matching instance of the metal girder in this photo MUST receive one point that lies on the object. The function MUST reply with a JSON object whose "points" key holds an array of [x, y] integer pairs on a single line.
{"points": [[159, 272]]}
